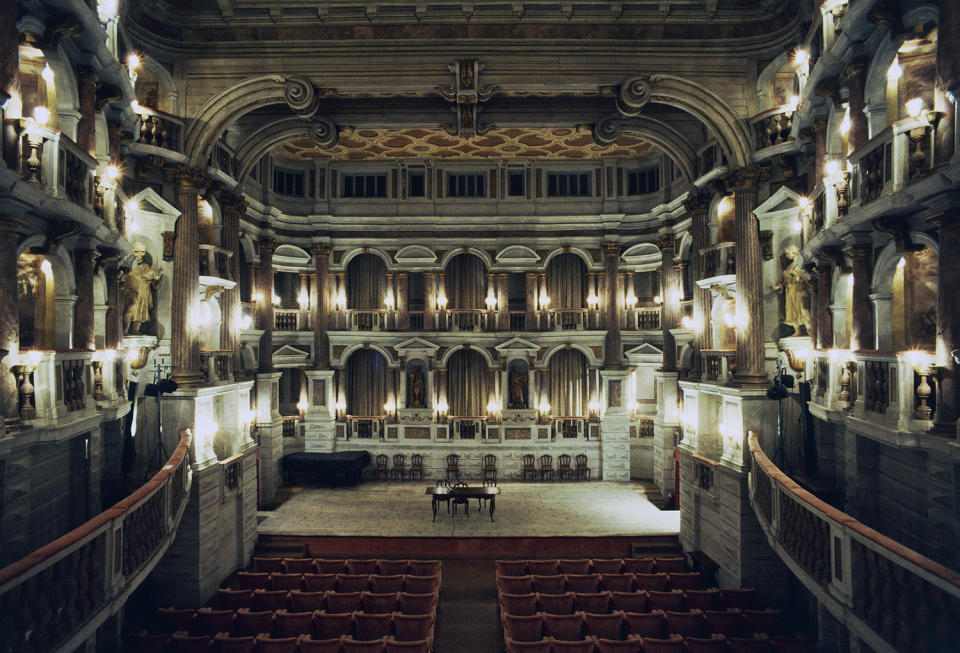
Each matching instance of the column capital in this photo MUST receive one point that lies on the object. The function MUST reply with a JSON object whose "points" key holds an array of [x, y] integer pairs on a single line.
{"points": [[233, 204], [268, 244], [819, 123], [857, 67], [858, 251], [187, 178], [403, 275], [321, 249], [87, 75], [611, 249], [747, 178], [697, 202], [667, 241]]}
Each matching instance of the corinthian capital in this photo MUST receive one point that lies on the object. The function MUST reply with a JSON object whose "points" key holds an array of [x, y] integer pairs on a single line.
{"points": [[747, 178], [235, 204], [187, 178]]}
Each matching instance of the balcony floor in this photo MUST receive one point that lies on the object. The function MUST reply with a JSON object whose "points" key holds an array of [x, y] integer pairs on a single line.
{"points": [[524, 509]]}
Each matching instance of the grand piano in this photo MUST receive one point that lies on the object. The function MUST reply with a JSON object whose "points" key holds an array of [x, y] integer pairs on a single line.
{"points": [[340, 468]]}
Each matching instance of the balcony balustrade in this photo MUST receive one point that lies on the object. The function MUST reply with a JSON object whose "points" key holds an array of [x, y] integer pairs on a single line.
{"points": [[719, 365], [568, 319], [570, 426], [289, 319], [719, 259], [364, 427], [773, 127], [55, 163], [466, 319], [217, 366], [362, 319], [159, 129], [292, 426], [215, 262], [647, 318]]}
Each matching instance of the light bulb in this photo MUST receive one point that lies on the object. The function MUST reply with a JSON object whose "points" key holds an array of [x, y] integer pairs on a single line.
{"points": [[915, 107], [894, 72], [688, 322], [47, 74], [832, 168], [47, 269], [801, 56], [111, 172], [41, 115], [133, 61], [131, 205], [491, 302], [845, 123]]}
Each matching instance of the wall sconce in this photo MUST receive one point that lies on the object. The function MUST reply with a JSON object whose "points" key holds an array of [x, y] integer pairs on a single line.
{"points": [[630, 300], [914, 107], [390, 408], [303, 299], [133, 65], [302, 407], [493, 409], [276, 299], [41, 115], [245, 322], [341, 407], [688, 323], [544, 408], [441, 302], [258, 296], [801, 56], [544, 300], [442, 410], [341, 300], [593, 406], [490, 301], [592, 301], [657, 299], [388, 301]]}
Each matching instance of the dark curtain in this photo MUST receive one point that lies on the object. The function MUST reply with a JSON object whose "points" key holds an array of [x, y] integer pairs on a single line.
{"points": [[568, 383], [467, 384], [366, 383], [466, 285], [567, 282], [366, 282]]}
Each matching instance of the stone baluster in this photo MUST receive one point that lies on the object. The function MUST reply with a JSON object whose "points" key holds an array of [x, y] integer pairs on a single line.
{"points": [[491, 292], [232, 207], [184, 340], [698, 207], [670, 302], [750, 354], [861, 336], [320, 301], [267, 247], [83, 322], [856, 74], [612, 346]]}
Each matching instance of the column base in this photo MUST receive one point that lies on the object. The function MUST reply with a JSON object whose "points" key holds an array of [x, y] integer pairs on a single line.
{"points": [[751, 380], [188, 378]]}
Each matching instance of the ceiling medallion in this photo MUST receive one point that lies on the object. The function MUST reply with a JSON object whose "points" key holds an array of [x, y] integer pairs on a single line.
{"points": [[467, 95]]}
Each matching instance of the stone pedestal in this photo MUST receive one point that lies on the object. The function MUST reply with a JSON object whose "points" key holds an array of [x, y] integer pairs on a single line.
{"points": [[269, 433], [615, 427], [665, 425], [319, 422]]}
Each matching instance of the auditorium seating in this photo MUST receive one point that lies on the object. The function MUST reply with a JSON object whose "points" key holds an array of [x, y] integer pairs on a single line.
{"points": [[649, 605]]}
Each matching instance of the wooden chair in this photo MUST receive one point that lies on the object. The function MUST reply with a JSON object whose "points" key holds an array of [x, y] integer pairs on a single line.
{"points": [[461, 501], [442, 482], [482, 501], [416, 466], [490, 467], [581, 469], [529, 466], [381, 468], [399, 465], [546, 466], [453, 466], [564, 468]]}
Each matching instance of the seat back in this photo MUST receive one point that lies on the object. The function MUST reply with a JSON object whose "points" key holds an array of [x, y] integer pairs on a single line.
{"points": [[549, 567], [319, 582], [528, 461], [223, 643], [644, 624], [381, 584], [381, 461], [269, 599], [416, 461], [553, 584], [519, 604], [688, 624], [546, 461], [629, 601], [564, 626], [329, 565], [716, 644], [210, 622], [372, 626], [399, 460], [392, 567], [380, 602], [288, 624], [556, 603], [248, 622], [608, 626], [575, 566], [308, 645], [631, 644], [303, 601], [583, 582], [234, 599], [298, 565], [489, 461], [362, 566], [285, 581], [453, 461], [581, 460], [672, 644], [412, 627], [592, 602], [339, 602], [523, 628], [330, 625], [424, 567], [564, 461]]}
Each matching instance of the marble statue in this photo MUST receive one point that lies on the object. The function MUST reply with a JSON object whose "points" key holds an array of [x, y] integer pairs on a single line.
{"points": [[518, 399], [795, 287], [416, 392], [138, 286]]}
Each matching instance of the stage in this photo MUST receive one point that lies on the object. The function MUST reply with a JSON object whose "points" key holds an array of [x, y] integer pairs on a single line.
{"points": [[535, 519]]}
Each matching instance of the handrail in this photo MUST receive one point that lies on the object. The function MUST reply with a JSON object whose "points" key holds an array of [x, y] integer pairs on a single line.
{"points": [[101, 561], [850, 567]]}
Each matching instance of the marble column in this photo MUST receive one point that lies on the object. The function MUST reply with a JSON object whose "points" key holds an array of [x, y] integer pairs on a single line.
{"points": [[698, 207], [824, 316], [750, 353], [491, 292], [232, 207], [9, 314], [531, 301], [114, 327], [861, 336], [184, 341], [403, 295], [320, 304], [83, 322], [948, 325], [591, 290], [87, 82], [820, 149], [265, 287], [856, 74], [9, 41], [503, 300], [670, 302], [948, 49], [430, 304], [613, 353]]}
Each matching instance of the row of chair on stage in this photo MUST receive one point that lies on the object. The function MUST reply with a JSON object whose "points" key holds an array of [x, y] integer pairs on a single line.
{"points": [[568, 467]]}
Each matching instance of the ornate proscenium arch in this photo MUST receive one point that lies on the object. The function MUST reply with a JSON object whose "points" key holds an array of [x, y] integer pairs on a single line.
{"points": [[608, 129], [322, 130], [225, 107], [720, 119]]}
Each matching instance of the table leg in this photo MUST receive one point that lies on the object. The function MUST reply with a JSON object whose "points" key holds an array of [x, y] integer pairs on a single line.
{"points": [[493, 506], [433, 504]]}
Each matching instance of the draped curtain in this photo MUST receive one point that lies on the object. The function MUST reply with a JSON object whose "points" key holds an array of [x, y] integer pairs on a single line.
{"points": [[366, 282], [366, 383], [466, 282], [467, 377], [567, 281], [568, 383]]}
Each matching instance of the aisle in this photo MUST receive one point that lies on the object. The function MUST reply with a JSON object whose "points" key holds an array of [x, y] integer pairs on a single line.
{"points": [[468, 605]]}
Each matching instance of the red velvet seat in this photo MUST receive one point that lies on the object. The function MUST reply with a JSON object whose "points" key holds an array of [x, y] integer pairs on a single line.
{"points": [[617, 582], [515, 584], [290, 624], [738, 598], [519, 604], [677, 564], [329, 565], [656, 582], [585, 645], [424, 567], [554, 584], [364, 566], [644, 624], [607, 626], [298, 565], [672, 600], [259, 580], [629, 601], [523, 628], [319, 582], [234, 599], [704, 599], [372, 626], [725, 622], [247, 622], [351, 645], [379, 602], [638, 565], [382, 583], [688, 624], [582, 582], [339, 602], [418, 603], [223, 643], [279, 645], [412, 627], [715, 644], [595, 602], [268, 565], [329, 625], [631, 644], [685, 580], [181, 642], [543, 567], [421, 584], [143, 642], [394, 645], [766, 622], [749, 644], [285, 581], [606, 565], [672, 644], [353, 582], [511, 567], [269, 599], [392, 567], [306, 601], [564, 626], [309, 645], [794, 644], [574, 566], [174, 619], [210, 622], [556, 603], [539, 646]]}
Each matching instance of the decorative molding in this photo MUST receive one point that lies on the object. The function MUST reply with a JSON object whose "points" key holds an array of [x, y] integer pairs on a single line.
{"points": [[467, 95]]}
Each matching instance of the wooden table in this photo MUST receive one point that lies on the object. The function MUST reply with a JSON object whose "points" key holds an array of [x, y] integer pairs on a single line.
{"points": [[477, 492]]}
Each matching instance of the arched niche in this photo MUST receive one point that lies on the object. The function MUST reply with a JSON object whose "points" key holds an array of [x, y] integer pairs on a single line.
{"points": [[366, 281], [466, 281], [469, 383], [567, 281], [365, 383], [904, 295], [417, 390], [36, 301], [518, 385], [568, 385]]}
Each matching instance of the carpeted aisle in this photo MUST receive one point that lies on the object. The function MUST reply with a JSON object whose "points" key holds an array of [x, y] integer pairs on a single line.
{"points": [[468, 608]]}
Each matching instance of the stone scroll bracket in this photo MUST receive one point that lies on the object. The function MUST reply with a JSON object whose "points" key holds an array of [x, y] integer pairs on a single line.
{"points": [[467, 96]]}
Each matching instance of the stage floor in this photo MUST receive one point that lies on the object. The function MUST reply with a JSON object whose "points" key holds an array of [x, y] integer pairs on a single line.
{"points": [[401, 509]]}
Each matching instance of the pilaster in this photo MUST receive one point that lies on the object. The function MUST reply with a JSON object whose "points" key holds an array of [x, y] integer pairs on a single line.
{"points": [[750, 348], [665, 426], [265, 289], [615, 427], [320, 418], [232, 207], [270, 433], [84, 322], [612, 346]]}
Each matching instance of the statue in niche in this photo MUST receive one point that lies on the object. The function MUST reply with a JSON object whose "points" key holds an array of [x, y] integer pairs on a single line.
{"points": [[9, 391], [795, 287], [138, 285], [518, 389], [415, 390], [211, 317]]}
